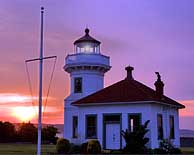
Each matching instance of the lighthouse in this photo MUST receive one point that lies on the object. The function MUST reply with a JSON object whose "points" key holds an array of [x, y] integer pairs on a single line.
{"points": [[86, 67], [94, 112]]}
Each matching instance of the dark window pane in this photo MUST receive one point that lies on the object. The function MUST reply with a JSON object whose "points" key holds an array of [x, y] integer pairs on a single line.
{"points": [[75, 126], [134, 120], [171, 121], [78, 85], [160, 126], [91, 126], [112, 118]]}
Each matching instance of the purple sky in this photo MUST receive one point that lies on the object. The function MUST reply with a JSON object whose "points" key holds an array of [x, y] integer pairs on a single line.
{"points": [[154, 35]]}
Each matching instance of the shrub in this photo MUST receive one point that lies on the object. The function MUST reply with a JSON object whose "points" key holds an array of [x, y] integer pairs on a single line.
{"points": [[93, 147], [159, 151], [136, 140], [84, 148], [63, 145], [75, 149], [150, 151], [176, 151], [167, 148]]}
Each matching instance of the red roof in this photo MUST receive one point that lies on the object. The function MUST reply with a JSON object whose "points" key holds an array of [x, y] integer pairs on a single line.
{"points": [[128, 90], [86, 38]]}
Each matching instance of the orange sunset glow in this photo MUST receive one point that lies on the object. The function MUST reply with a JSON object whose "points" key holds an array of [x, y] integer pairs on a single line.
{"points": [[24, 108], [24, 114]]}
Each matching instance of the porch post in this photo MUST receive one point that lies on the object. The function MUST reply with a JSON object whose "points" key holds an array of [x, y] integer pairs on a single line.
{"points": [[124, 125], [100, 128]]}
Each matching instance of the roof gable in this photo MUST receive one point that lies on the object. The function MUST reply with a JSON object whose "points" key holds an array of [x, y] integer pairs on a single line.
{"points": [[127, 90]]}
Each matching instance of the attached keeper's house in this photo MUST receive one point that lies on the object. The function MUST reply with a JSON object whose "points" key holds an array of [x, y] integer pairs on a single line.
{"points": [[94, 112]]}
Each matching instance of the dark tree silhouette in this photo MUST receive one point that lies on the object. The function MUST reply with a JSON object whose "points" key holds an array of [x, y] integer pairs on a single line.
{"points": [[49, 134], [27, 132], [7, 132]]}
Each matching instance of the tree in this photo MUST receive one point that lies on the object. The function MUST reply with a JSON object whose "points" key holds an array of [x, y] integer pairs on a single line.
{"points": [[136, 140], [8, 132], [27, 133], [49, 134], [1, 131]]}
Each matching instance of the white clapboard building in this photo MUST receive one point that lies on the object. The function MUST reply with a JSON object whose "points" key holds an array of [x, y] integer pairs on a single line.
{"points": [[94, 112]]}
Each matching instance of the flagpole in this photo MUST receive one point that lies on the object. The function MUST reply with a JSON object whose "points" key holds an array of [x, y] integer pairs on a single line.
{"points": [[40, 59], [40, 85]]}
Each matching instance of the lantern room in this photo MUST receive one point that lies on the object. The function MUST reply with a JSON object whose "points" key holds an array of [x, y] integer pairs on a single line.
{"points": [[87, 44], [86, 66]]}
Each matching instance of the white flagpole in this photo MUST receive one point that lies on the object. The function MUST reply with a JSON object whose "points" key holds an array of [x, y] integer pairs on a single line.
{"points": [[40, 86]]}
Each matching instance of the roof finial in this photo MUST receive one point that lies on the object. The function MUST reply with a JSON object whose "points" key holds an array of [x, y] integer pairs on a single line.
{"points": [[42, 9]]}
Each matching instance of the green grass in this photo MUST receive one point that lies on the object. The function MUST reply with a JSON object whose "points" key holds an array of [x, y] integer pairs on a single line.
{"points": [[30, 149], [187, 150], [25, 149]]}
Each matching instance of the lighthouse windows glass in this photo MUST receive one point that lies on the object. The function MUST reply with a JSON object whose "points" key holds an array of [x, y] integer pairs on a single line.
{"points": [[87, 47], [78, 85]]}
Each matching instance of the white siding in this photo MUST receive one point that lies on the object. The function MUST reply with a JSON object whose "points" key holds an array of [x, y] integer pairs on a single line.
{"points": [[92, 81], [148, 112], [166, 111]]}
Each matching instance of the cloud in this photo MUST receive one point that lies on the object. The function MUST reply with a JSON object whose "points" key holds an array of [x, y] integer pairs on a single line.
{"points": [[13, 98], [17, 98], [189, 108]]}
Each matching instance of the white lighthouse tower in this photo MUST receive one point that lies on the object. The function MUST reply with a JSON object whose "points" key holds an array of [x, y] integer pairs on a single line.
{"points": [[86, 67]]}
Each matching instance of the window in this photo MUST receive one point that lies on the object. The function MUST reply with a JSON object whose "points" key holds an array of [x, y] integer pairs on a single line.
{"points": [[91, 126], [160, 126], [75, 127], [78, 85], [171, 121], [134, 121], [113, 118]]}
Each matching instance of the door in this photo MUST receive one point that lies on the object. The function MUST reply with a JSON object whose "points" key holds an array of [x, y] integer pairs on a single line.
{"points": [[113, 136]]}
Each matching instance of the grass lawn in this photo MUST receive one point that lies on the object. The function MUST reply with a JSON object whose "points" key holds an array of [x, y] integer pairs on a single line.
{"points": [[187, 150], [30, 149], [25, 149]]}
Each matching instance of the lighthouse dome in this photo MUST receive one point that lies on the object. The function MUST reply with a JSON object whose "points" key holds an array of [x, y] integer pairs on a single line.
{"points": [[87, 44]]}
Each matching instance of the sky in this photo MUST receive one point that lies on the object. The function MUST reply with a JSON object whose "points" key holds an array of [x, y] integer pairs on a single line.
{"points": [[154, 35]]}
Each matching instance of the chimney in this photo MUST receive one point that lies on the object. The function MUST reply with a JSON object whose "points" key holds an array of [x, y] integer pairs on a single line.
{"points": [[129, 70], [159, 85]]}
